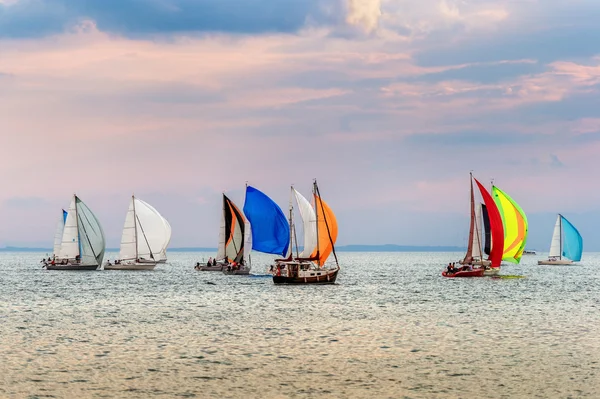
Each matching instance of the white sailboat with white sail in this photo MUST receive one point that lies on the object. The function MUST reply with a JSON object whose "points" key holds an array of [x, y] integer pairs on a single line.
{"points": [[145, 236], [82, 241]]}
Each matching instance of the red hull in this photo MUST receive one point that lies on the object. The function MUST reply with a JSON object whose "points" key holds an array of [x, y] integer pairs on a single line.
{"points": [[466, 273]]}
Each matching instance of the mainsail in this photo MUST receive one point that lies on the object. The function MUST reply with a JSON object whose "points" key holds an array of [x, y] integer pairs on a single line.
{"points": [[231, 232], [82, 235], [514, 223], [496, 228], [270, 228]]}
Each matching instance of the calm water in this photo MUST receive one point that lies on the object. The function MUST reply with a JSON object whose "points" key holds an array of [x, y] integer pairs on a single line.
{"points": [[391, 328]]}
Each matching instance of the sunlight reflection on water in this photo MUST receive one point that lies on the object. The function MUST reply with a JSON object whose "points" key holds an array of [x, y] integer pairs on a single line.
{"points": [[391, 327]]}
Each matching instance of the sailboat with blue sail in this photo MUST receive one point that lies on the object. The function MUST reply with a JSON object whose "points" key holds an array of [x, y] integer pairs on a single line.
{"points": [[269, 228], [566, 246]]}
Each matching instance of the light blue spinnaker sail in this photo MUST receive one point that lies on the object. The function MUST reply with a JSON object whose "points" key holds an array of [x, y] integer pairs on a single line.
{"points": [[269, 226], [573, 242]]}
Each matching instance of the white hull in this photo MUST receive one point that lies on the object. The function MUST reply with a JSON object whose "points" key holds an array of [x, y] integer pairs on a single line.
{"points": [[478, 263], [131, 266], [162, 261], [558, 262], [492, 272]]}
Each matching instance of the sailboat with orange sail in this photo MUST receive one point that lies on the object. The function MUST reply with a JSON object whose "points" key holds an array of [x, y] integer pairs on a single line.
{"points": [[475, 238], [320, 234]]}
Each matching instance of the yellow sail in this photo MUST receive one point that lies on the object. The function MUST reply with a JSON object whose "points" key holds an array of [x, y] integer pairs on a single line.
{"points": [[327, 231], [515, 226]]}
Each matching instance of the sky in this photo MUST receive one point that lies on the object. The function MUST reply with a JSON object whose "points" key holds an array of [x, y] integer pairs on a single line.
{"points": [[388, 103]]}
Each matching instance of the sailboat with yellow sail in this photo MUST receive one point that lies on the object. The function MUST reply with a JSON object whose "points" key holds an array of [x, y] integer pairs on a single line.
{"points": [[320, 234]]}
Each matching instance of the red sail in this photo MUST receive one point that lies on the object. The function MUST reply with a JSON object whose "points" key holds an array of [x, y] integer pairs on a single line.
{"points": [[496, 226]]}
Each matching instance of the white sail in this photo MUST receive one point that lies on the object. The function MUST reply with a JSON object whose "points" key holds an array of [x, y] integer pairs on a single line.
{"points": [[152, 233], [69, 246], [221, 245], [309, 222], [163, 254], [91, 237], [555, 246], [128, 238], [477, 233], [248, 242], [59, 234]]}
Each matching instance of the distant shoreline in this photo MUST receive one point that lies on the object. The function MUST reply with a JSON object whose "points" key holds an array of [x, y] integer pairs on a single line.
{"points": [[341, 248]]}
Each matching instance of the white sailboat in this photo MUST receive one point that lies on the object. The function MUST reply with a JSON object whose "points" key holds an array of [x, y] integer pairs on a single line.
{"points": [[145, 236], [566, 246], [82, 242]]}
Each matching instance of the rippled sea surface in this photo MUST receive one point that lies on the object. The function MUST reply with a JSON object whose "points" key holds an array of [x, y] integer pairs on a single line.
{"points": [[391, 327]]}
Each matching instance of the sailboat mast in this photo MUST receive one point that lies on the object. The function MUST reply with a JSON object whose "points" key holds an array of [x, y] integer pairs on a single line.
{"points": [[292, 225], [316, 216], [469, 253], [561, 235], [77, 226], [135, 227], [326, 225]]}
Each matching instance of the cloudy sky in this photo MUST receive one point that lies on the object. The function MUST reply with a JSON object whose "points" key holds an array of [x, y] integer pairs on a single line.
{"points": [[389, 103]]}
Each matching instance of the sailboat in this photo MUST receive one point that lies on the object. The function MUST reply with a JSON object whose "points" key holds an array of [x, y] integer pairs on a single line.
{"points": [[270, 229], [145, 235], [231, 247], [514, 223], [60, 228], [566, 246], [82, 243], [320, 234], [474, 248]]}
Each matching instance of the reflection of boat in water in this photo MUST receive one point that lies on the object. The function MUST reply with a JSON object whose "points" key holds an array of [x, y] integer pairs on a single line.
{"points": [[566, 246], [145, 236], [320, 233], [82, 245], [474, 253]]}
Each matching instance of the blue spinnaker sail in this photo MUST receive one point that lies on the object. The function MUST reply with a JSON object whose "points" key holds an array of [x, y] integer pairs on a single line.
{"points": [[65, 213], [269, 226], [572, 243]]}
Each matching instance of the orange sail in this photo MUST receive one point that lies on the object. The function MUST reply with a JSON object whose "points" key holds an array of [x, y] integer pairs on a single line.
{"points": [[327, 230]]}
